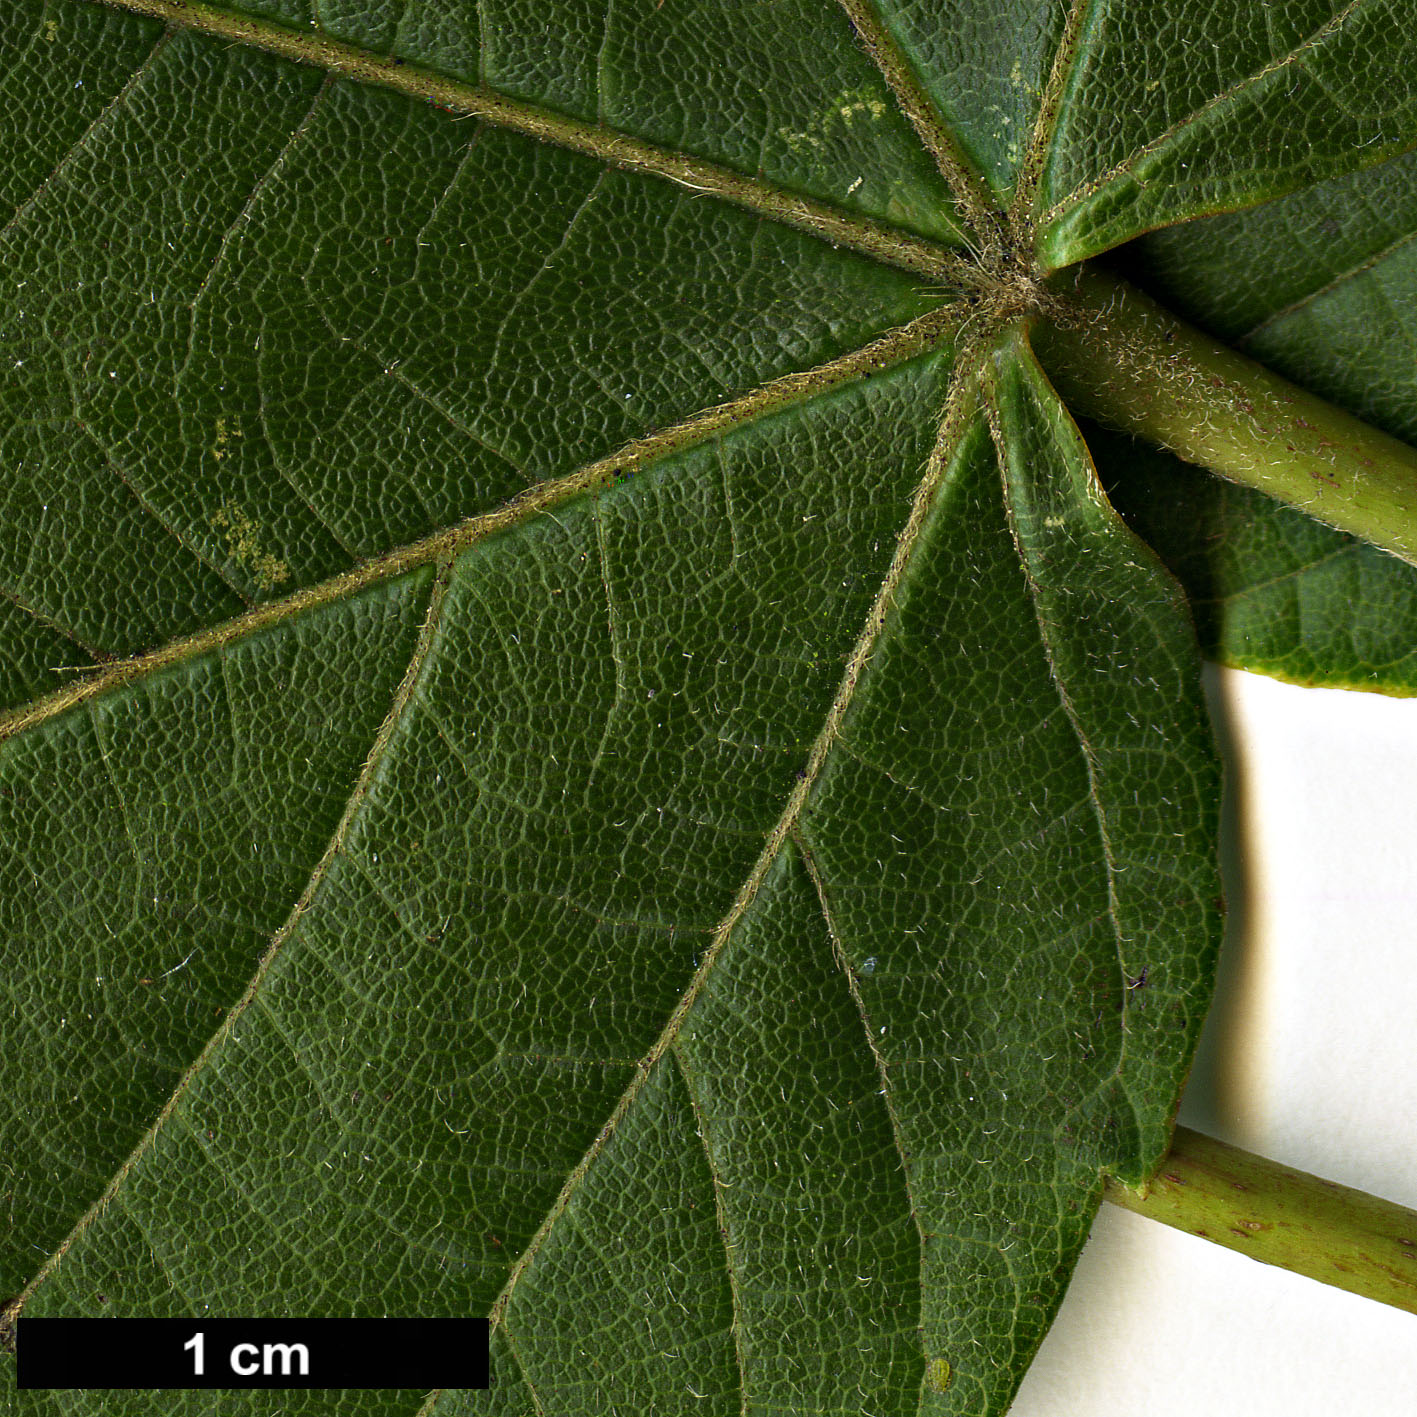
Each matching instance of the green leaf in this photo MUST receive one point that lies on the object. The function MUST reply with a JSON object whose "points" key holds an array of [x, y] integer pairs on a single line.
{"points": [[579, 739], [1172, 114]]}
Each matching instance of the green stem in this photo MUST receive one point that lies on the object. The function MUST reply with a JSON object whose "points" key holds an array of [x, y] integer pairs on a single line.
{"points": [[1339, 1236], [1119, 357]]}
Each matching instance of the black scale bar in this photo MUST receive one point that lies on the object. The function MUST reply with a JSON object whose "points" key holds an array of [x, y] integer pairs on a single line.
{"points": [[252, 1353]]}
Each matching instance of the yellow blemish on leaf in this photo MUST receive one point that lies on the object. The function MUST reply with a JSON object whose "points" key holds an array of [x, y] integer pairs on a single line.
{"points": [[242, 544], [939, 1374], [224, 434], [1019, 80], [847, 108], [51, 30], [852, 106], [797, 142]]}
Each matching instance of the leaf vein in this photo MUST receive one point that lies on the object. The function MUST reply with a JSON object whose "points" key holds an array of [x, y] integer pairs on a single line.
{"points": [[1361, 268], [864, 234], [515, 1354], [548, 261], [730, 1263], [958, 405], [243, 216], [389, 369], [387, 730], [129, 486], [43, 617], [80, 144], [1311, 41], [1080, 733], [895, 347], [1049, 109]]}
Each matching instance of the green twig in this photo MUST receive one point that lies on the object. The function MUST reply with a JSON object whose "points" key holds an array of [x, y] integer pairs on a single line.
{"points": [[1288, 1218], [1119, 357]]}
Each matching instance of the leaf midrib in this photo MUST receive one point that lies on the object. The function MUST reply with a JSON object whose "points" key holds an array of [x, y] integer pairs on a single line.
{"points": [[958, 410], [895, 347], [881, 240], [1050, 112]]}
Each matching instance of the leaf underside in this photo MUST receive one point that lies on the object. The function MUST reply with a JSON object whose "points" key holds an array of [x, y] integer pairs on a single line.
{"points": [[579, 738]]}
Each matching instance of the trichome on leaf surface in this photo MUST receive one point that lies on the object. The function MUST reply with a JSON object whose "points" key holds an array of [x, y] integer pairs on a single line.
{"points": [[581, 739]]}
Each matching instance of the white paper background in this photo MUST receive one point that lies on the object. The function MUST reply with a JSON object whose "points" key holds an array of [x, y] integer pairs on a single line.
{"points": [[1306, 1058]]}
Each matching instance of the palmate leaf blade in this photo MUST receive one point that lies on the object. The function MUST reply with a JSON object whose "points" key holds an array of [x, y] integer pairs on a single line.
{"points": [[701, 1144], [636, 852], [256, 352], [633, 879], [1319, 285], [932, 920]]}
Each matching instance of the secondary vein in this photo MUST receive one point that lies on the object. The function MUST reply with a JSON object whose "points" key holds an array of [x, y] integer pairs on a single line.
{"points": [[387, 730], [959, 405], [843, 963], [101, 120], [1362, 267], [1311, 41], [725, 1226]]}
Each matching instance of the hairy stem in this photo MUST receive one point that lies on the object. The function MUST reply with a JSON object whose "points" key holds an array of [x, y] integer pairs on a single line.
{"points": [[1278, 1216], [1118, 356]]}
